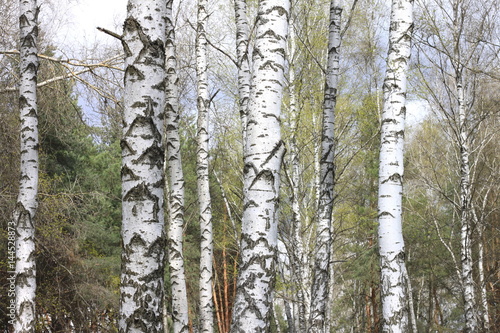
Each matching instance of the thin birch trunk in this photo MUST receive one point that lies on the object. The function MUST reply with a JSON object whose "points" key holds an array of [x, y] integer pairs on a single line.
{"points": [[297, 257], [23, 219], [143, 238], [176, 183], [205, 207], [391, 244], [263, 157], [465, 213], [321, 271], [243, 61]]}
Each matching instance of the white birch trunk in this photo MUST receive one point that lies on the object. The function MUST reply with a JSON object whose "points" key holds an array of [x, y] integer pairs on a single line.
{"points": [[143, 238], [321, 271], [242, 52], [297, 257], [24, 214], [176, 184], [465, 212], [391, 244], [263, 157], [206, 306]]}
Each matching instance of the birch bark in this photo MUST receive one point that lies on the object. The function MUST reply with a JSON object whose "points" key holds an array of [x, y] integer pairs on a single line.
{"points": [[175, 182], [297, 257], [263, 156], [204, 200], [321, 271], [465, 211], [391, 244], [143, 238], [23, 220], [243, 61]]}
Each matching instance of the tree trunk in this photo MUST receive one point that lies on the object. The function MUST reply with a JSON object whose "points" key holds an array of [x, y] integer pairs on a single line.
{"points": [[263, 157], [321, 270], [465, 212], [243, 61], [176, 184], [297, 257], [24, 214], [391, 244], [206, 252], [143, 238]]}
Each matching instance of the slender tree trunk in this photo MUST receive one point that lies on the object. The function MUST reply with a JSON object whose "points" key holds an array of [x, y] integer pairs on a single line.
{"points": [[465, 213], [263, 156], [143, 238], [243, 61], [298, 261], [27, 202], [391, 244], [176, 184], [321, 270], [205, 206]]}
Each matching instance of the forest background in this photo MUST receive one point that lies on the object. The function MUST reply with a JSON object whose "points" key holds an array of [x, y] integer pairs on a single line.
{"points": [[79, 216]]}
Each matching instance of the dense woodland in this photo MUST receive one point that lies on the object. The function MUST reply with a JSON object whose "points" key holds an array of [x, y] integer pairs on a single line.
{"points": [[452, 129]]}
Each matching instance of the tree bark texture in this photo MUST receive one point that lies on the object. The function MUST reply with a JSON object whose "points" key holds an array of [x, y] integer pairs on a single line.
{"points": [[263, 157], [465, 212], [143, 238], [391, 244], [243, 61], [24, 213], [300, 273], [206, 306], [176, 184], [321, 270]]}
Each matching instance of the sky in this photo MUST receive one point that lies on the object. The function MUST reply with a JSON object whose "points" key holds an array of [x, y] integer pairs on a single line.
{"points": [[83, 16]]}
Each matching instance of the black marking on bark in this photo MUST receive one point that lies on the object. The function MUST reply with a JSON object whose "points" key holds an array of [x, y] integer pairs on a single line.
{"points": [[395, 177], [152, 156], [278, 151], [133, 74], [127, 172], [385, 214], [126, 147]]}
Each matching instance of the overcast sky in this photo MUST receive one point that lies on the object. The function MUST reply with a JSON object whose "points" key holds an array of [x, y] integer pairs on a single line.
{"points": [[83, 16]]}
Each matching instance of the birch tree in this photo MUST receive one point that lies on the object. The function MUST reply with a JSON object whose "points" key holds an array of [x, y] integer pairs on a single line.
{"points": [[321, 270], [24, 213], [390, 185], [143, 239], [262, 157], [204, 200], [175, 178], [243, 62]]}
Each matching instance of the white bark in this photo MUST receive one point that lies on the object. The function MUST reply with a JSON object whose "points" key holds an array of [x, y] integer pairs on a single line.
{"points": [[465, 213], [206, 306], [27, 202], [322, 251], [298, 260], [243, 61], [263, 156], [176, 184], [143, 238], [391, 244]]}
